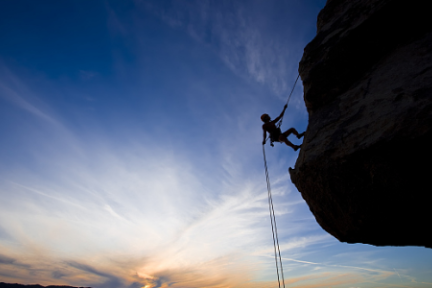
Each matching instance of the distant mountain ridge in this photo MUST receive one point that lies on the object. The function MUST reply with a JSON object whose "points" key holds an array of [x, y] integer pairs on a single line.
{"points": [[9, 285]]}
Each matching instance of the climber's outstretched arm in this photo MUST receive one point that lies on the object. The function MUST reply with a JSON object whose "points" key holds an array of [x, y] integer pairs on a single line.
{"points": [[280, 116]]}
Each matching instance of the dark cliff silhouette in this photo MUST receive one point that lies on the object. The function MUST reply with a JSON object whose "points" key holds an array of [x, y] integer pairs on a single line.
{"points": [[364, 167]]}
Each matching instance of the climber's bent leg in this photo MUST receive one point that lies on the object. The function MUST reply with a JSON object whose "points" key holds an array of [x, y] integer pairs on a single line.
{"points": [[282, 138], [293, 131]]}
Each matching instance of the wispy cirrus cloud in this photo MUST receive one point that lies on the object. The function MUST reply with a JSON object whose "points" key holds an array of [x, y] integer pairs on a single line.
{"points": [[241, 33], [12, 90], [141, 207]]}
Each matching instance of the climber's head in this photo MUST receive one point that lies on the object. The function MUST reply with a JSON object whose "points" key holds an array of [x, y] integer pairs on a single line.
{"points": [[265, 118]]}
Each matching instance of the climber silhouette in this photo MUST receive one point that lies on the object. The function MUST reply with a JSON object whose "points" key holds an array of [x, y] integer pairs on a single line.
{"points": [[276, 134]]}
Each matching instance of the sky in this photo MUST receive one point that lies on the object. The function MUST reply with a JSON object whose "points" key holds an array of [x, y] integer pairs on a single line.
{"points": [[131, 156]]}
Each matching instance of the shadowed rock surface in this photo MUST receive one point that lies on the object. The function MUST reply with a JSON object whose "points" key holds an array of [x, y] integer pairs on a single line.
{"points": [[364, 167], [9, 285]]}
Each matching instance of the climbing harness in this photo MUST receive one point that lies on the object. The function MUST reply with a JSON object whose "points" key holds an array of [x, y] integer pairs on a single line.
{"points": [[280, 121], [277, 253]]}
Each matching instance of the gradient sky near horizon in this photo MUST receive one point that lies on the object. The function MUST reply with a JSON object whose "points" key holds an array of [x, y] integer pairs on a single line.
{"points": [[130, 149]]}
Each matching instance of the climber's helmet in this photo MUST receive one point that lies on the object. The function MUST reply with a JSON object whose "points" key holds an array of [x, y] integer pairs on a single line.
{"points": [[265, 118]]}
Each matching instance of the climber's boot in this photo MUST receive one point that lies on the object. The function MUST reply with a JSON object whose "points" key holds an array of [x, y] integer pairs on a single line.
{"points": [[301, 135]]}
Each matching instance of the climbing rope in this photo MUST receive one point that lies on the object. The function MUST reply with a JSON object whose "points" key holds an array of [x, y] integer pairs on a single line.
{"points": [[292, 90], [271, 210], [273, 225]]}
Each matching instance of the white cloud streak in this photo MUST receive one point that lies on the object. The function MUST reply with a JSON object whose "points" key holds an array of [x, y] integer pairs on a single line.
{"points": [[98, 200], [240, 34], [11, 89]]}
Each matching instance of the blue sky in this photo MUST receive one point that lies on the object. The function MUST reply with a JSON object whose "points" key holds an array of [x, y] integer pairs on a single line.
{"points": [[130, 149]]}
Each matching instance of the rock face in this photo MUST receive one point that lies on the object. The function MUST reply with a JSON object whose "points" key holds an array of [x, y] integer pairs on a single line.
{"points": [[365, 165]]}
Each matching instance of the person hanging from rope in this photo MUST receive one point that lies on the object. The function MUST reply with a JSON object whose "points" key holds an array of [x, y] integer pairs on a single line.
{"points": [[276, 134]]}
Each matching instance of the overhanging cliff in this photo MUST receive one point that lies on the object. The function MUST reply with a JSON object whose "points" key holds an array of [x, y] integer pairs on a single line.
{"points": [[364, 167]]}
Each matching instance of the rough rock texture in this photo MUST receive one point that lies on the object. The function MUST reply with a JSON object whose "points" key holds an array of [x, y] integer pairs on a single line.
{"points": [[365, 165]]}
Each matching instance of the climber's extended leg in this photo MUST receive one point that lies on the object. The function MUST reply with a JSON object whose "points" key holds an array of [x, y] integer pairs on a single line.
{"points": [[293, 131], [283, 138]]}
